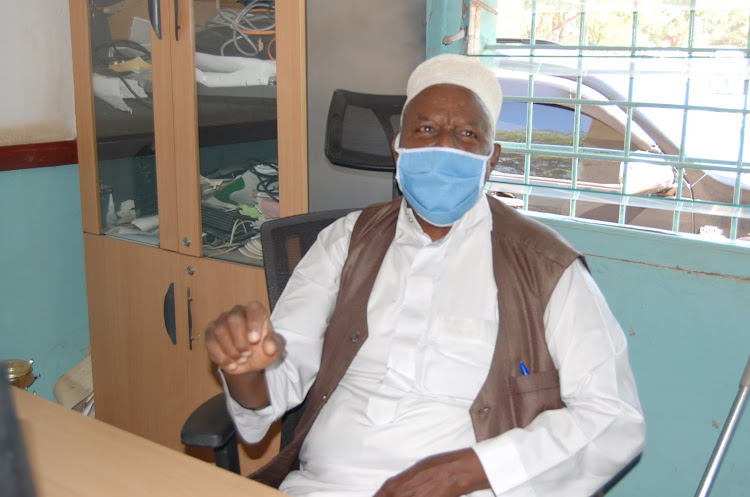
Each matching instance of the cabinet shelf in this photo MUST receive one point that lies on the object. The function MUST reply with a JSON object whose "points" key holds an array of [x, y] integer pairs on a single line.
{"points": [[226, 116]]}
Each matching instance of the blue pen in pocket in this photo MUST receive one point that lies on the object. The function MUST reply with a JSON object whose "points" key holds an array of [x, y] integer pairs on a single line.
{"points": [[524, 369]]}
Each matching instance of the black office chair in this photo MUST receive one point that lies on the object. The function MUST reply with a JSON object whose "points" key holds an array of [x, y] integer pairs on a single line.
{"points": [[359, 131], [284, 242], [360, 127]]}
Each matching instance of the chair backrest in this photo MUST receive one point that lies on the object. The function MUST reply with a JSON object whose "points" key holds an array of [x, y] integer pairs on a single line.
{"points": [[360, 128], [285, 241]]}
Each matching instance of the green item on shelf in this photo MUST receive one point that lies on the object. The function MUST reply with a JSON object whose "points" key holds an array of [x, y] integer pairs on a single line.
{"points": [[249, 211], [240, 191]]}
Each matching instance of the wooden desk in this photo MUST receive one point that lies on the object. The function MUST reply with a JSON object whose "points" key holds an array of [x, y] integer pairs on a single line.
{"points": [[73, 455]]}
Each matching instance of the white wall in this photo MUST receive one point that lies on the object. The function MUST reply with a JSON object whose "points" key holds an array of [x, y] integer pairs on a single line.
{"points": [[361, 46], [36, 89]]}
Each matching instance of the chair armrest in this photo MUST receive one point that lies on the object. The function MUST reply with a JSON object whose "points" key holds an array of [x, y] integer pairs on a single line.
{"points": [[210, 425]]}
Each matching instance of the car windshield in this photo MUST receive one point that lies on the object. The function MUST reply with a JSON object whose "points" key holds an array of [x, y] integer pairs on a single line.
{"points": [[634, 116]]}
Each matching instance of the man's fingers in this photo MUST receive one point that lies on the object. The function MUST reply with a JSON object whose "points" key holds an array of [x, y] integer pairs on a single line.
{"points": [[216, 352], [243, 339], [258, 322], [237, 326], [274, 345], [225, 335]]}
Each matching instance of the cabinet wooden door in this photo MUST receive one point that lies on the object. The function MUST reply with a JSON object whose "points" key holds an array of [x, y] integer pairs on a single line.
{"points": [[220, 129], [135, 362], [148, 309], [214, 287], [124, 120], [209, 287]]}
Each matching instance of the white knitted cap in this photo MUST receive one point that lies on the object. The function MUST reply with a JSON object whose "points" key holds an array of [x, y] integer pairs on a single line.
{"points": [[458, 70]]}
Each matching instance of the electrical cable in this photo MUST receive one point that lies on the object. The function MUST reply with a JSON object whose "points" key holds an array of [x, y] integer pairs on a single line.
{"points": [[257, 18], [267, 183], [235, 239]]}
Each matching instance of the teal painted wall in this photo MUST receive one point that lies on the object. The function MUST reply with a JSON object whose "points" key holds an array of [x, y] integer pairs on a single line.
{"points": [[683, 304], [43, 311], [443, 19]]}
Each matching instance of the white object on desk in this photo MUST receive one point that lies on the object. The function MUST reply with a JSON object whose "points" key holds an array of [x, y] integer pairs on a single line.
{"points": [[75, 388]]}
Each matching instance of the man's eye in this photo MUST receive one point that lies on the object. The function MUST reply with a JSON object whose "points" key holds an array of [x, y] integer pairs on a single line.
{"points": [[426, 128], [468, 133]]}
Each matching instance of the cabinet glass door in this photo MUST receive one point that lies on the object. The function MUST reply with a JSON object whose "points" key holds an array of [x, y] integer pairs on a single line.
{"points": [[122, 59], [235, 67]]}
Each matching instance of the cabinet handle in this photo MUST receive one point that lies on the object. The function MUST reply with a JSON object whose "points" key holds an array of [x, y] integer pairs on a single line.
{"points": [[154, 15], [177, 20], [169, 314], [190, 319]]}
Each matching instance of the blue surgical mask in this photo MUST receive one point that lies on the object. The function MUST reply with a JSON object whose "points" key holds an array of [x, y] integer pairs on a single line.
{"points": [[441, 184]]}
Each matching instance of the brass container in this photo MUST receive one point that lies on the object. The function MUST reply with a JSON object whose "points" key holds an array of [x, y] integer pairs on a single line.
{"points": [[19, 372]]}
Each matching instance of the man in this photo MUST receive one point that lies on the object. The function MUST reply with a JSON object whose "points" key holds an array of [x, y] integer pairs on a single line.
{"points": [[449, 345]]}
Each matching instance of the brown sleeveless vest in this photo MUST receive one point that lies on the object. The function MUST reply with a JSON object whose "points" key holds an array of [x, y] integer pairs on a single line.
{"points": [[528, 260]]}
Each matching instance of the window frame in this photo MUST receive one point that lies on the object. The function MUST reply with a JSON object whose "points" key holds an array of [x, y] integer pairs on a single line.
{"points": [[476, 22]]}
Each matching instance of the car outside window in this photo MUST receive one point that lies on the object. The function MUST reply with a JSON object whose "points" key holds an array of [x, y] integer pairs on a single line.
{"points": [[637, 133]]}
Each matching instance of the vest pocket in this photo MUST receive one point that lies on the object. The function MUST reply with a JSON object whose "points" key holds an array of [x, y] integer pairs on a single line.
{"points": [[532, 394]]}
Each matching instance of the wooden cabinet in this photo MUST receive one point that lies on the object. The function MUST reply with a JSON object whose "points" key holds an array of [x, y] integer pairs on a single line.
{"points": [[147, 380]]}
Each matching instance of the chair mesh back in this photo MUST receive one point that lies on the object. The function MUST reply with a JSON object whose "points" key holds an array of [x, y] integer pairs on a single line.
{"points": [[285, 241], [360, 129]]}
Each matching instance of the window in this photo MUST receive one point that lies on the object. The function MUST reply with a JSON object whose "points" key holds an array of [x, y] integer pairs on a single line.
{"points": [[635, 117]]}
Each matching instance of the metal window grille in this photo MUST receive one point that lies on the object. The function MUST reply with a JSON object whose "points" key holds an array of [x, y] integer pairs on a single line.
{"points": [[630, 133]]}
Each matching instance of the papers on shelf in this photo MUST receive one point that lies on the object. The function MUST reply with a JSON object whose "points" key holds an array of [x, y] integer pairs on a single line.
{"points": [[133, 234], [113, 91], [144, 229]]}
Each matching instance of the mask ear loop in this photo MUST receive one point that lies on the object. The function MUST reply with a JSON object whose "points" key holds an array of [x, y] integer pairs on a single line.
{"points": [[397, 148], [483, 179]]}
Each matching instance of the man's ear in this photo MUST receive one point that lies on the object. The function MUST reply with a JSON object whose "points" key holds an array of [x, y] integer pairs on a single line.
{"points": [[493, 160]]}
